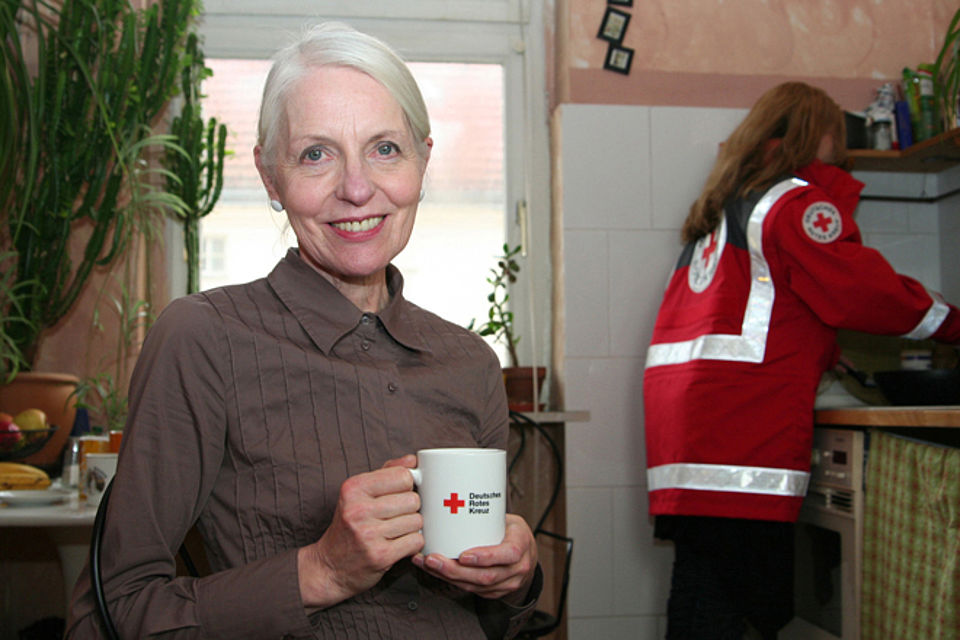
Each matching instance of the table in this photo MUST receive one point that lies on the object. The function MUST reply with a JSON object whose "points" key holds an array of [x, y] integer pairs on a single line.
{"points": [[68, 524]]}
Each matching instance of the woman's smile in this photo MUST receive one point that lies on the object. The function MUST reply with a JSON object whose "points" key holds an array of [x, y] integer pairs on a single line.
{"points": [[351, 227]]}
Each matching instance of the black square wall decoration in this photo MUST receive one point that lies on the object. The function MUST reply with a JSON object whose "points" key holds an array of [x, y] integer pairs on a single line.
{"points": [[618, 59], [614, 25]]}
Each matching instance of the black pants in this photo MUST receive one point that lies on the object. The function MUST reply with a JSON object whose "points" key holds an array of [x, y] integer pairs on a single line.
{"points": [[728, 572]]}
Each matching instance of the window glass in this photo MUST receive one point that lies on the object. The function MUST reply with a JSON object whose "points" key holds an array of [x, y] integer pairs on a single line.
{"points": [[461, 223]]}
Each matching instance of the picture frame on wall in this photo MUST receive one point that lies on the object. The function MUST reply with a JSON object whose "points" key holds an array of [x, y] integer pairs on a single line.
{"points": [[614, 25], [622, 3], [618, 59]]}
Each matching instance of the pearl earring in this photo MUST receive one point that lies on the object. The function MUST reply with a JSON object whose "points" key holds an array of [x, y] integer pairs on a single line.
{"points": [[276, 206], [422, 194]]}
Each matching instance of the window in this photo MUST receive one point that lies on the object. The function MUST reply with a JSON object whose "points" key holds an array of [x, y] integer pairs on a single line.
{"points": [[213, 257], [489, 156], [251, 236]]}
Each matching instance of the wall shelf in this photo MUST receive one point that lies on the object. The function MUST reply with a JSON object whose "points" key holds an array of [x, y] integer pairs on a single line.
{"points": [[556, 417], [930, 156]]}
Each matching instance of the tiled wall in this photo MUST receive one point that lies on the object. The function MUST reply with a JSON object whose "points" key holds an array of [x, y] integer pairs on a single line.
{"points": [[628, 176]]}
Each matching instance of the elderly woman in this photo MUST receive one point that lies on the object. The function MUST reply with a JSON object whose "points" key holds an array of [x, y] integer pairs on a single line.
{"points": [[281, 416]]}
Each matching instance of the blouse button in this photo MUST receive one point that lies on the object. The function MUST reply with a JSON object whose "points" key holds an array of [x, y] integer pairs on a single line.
{"points": [[365, 345], [412, 605], [391, 387], [365, 319]]}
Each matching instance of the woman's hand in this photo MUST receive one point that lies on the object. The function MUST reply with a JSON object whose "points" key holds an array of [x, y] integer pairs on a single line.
{"points": [[376, 523], [504, 570]]}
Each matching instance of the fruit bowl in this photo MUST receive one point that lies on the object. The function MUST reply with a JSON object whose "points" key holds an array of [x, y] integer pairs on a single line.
{"points": [[17, 445]]}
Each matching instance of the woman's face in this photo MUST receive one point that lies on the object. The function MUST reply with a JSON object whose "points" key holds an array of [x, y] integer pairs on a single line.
{"points": [[347, 172]]}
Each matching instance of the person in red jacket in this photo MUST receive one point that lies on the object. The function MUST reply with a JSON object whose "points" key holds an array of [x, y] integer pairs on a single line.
{"points": [[773, 266]]}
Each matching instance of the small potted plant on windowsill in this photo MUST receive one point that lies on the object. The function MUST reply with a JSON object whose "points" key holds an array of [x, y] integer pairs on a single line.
{"points": [[523, 383]]}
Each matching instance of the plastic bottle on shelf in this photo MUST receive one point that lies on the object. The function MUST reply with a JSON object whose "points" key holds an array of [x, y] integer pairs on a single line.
{"points": [[918, 90], [904, 126], [928, 100]]}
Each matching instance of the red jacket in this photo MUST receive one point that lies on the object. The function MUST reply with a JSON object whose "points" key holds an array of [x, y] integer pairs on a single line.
{"points": [[746, 329]]}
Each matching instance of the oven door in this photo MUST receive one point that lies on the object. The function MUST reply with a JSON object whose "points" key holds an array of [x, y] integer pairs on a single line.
{"points": [[826, 592], [827, 560]]}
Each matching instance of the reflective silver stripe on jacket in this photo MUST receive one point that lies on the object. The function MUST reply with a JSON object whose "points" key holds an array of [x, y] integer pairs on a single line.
{"points": [[723, 477], [934, 317], [751, 344]]}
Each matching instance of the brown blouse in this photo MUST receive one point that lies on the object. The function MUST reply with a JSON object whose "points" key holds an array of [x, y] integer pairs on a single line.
{"points": [[249, 406]]}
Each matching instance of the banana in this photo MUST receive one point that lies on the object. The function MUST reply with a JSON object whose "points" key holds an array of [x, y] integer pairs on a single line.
{"points": [[14, 475]]}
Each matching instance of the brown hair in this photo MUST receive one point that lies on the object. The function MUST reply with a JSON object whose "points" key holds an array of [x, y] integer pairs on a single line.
{"points": [[781, 133]]}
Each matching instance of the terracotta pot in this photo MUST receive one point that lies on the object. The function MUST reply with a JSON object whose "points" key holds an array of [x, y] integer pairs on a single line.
{"points": [[520, 385], [53, 394]]}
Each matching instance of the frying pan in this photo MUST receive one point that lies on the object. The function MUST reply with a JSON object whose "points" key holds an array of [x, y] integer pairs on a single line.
{"points": [[924, 387], [906, 387]]}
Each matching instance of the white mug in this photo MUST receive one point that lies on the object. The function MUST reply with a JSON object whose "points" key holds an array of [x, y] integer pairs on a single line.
{"points": [[463, 498], [99, 470]]}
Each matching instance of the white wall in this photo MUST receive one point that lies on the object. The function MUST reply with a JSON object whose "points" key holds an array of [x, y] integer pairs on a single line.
{"points": [[949, 243], [628, 177]]}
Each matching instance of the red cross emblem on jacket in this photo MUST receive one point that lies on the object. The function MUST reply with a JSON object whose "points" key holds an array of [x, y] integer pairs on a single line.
{"points": [[821, 222]]}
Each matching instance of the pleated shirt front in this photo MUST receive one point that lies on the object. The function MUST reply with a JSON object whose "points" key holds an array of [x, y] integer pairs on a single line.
{"points": [[250, 405]]}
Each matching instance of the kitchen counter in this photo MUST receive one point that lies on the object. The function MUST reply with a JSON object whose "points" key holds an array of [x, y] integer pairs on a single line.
{"points": [[927, 417]]}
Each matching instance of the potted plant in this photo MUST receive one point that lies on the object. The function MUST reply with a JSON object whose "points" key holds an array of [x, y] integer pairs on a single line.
{"points": [[84, 83], [523, 383]]}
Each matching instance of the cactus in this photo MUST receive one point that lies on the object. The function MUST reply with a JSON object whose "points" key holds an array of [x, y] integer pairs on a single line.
{"points": [[195, 170]]}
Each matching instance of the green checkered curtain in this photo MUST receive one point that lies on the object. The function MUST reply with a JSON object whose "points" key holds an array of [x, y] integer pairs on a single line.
{"points": [[911, 541]]}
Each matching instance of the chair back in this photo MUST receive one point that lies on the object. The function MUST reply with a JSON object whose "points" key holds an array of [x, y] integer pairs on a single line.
{"points": [[96, 577], [542, 622]]}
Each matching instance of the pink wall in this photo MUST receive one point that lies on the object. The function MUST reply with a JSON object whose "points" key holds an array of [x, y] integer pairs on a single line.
{"points": [[726, 52]]}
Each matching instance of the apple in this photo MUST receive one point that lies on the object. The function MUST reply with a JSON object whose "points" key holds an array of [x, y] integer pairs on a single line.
{"points": [[9, 433], [31, 420]]}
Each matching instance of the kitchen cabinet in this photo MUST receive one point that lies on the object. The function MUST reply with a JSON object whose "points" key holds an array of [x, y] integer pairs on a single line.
{"points": [[910, 577], [901, 555]]}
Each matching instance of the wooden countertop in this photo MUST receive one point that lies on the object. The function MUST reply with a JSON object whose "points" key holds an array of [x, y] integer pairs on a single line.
{"points": [[932, 416]]}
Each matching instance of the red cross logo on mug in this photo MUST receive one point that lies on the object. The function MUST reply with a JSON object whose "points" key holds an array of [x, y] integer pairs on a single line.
{"points": [[454, 502]]}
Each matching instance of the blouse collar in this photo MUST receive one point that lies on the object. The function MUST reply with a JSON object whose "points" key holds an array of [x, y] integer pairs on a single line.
{"points": [[327, 315]]}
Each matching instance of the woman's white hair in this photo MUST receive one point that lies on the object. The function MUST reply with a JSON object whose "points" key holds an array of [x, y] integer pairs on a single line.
{"points": [[337, 44]]}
